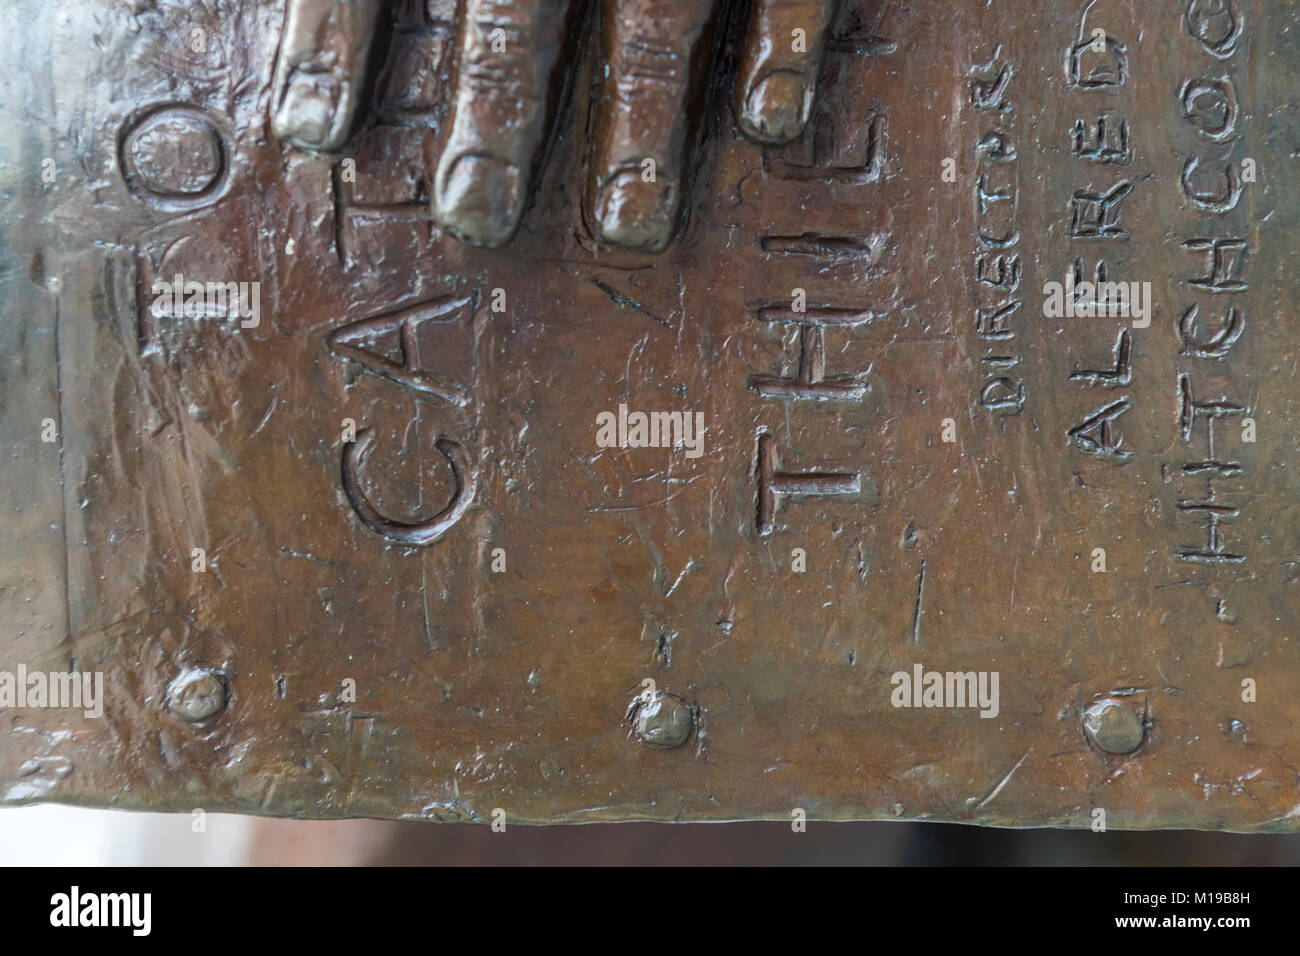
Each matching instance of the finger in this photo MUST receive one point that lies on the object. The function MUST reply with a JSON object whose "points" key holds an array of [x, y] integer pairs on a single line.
{"points": [[778, 75], [321, 69], [507, 52], [635, 186]]}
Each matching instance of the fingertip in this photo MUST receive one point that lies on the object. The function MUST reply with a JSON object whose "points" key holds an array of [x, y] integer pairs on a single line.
{"points": [[776, 107], [780, 64], [308, 113], [506, 58], [480, 200], [634, 213], [320, 69]]}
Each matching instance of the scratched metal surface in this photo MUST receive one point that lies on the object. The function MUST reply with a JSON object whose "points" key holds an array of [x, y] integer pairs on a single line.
{"points": [[479, 689]]}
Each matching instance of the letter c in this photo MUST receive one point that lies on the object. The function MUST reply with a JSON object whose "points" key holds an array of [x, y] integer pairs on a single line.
{"points": [[464, 477]]}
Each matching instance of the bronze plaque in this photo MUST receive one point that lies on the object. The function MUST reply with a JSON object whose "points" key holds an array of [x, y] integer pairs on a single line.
{"points": [[936, 465]]}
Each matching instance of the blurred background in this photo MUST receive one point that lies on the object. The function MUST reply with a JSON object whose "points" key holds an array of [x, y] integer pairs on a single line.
{"points": [[71, 836]]}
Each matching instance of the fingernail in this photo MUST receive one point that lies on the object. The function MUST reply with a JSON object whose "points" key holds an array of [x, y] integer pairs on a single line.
{"points": [[635, 214], [776, 109], [307, 114], [480, 200]]}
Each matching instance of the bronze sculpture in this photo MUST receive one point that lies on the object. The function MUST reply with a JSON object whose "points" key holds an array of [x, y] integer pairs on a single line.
{"points": [[374, 484]]}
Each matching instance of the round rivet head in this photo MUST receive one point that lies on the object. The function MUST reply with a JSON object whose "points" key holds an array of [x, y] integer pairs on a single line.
{"points": [[662, 720], [197, 694], [1114, 727]]}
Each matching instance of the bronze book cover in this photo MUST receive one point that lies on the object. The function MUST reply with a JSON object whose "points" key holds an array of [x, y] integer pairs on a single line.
{"points": [[552, 412]]}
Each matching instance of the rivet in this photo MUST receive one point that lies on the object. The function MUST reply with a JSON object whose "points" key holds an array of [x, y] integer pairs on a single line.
{"points": [[197, 694], [1114, 727], [662, 720]]}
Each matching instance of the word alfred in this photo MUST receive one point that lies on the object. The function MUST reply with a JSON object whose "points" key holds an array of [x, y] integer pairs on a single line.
{"points": [[181, 299], [102, 909], [651, 430], [924, 688], [55, 689], [1100, 300]]}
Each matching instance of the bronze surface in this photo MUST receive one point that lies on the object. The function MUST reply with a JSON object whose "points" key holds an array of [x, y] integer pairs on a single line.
{"points": [[428, 593]]}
